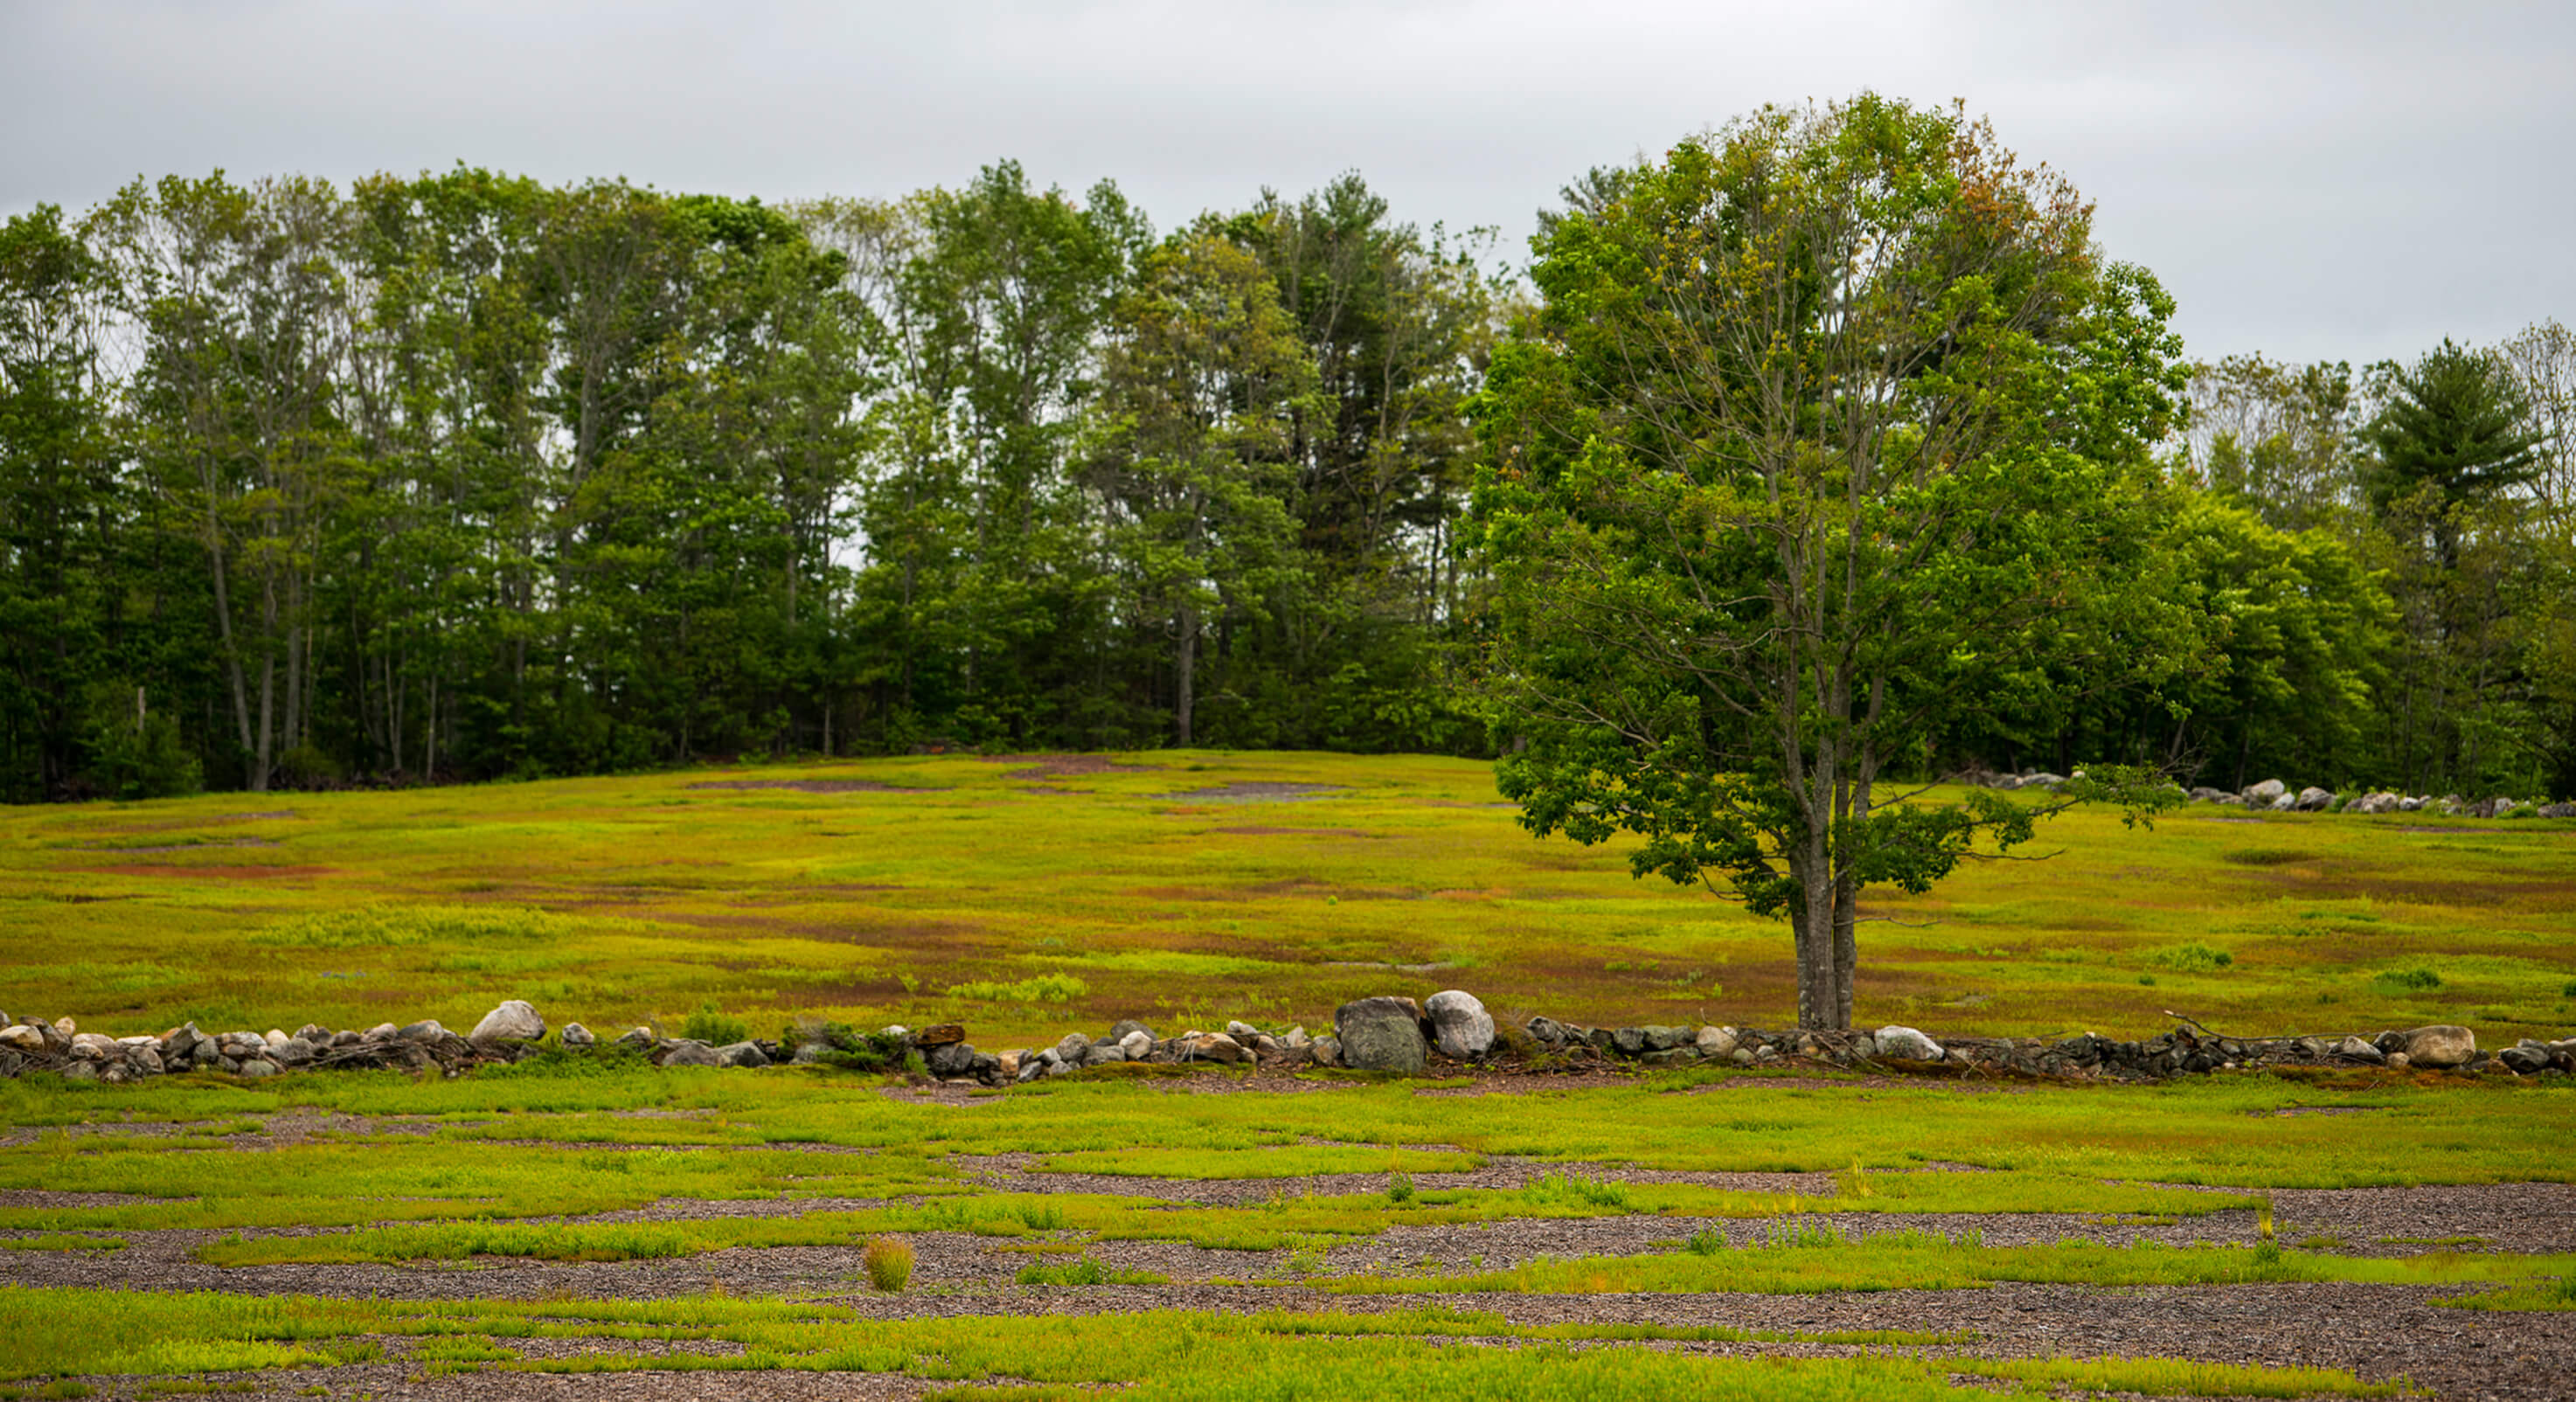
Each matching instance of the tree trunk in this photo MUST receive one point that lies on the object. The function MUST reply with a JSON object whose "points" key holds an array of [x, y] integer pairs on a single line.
{"points": [[1184, 664]]}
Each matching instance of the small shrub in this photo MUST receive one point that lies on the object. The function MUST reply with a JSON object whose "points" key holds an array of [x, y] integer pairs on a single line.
{"points": [[2407, 980], [2194, 958], [710, 1025], [1707, 1241], [847, 1048], [889, 1264], [2569, 991], [1038, 988], [1399, 1187]]}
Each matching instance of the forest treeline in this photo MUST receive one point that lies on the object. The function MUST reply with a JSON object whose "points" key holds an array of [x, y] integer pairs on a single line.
{"points": [[465, 476]]}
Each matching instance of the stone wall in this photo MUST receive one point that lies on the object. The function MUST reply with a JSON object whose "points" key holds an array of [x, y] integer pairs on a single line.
{"points": [[1449, 1032]]}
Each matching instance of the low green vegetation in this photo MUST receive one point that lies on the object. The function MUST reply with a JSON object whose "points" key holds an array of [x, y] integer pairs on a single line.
{"points": [[1154, 1354], [1027, 906]]}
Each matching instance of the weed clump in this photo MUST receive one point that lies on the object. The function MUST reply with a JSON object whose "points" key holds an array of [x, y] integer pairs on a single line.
{"points": [[2408, 980], [1399, 1187], [889, 1263], [1086, 1271]]}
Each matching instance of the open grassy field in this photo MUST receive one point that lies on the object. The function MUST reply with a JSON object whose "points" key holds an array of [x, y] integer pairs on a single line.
{"points": [[1028, 898], [589, 1226]]}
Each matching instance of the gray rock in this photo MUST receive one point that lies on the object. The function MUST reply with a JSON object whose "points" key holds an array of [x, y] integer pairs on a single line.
{"points": [[145, 1060], [1744, 1056], [691, 1053], [743, 1054], [2375, 803], [2399, 1059], [1243, 1033], [2051, 782], [2261, 795], [2284, 803], [2313, 799], [1295, 1037], [1550, 1032], [2440, 1045], [1327, 1051], [951, 1060], [22, 1037], [1715, 1042], [1381, 1034], [1118, 1032], [257, 1067], [1907, 1043], [1629, 1041], [2525, 1060], [1658, 1038], [294, 1051], [1072, 1047], [1103, 1053], [314, 1033], [2205, 794], [81, 1071], [92, 1046], [1460, 1024], [381, 1032], [636, 1039], [1218, 1047], [513, 1021], [425, 1030], [1137, 1043], [576, 1035], [1031, 1068]]}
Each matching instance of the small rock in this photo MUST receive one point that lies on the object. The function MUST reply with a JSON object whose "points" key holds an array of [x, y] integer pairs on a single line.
{"points": [[691, 1053], [1658, 1038], [2399, 1059], [257, 1067], [381, 1032], [2440, 1046], [1628, 1041], [952, 1060], [1119, 1031], [2313, 799], [1908, 1044], [2262, 795], [425, 1030], [1243, 1033], [90, 1046], [1072, 1047], [513, 1021], [1716, 1042], [1136, 1044], [22, 1037], [2525, 1060], [941, 1035], [1218, 1047], [1328, 1051], [66, 1027], [1549, 1032], [1460, 1024], [576, 1035], [1380, 1034], [636, 1039], [1295, 1037], [81, 1071], [743, 1054]]}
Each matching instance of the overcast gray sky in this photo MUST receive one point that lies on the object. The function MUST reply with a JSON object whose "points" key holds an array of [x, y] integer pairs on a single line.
{"points": [[2348, 180]]}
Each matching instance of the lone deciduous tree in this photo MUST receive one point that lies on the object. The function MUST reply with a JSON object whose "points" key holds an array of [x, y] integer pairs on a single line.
{"points": [[1831, 425]]}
